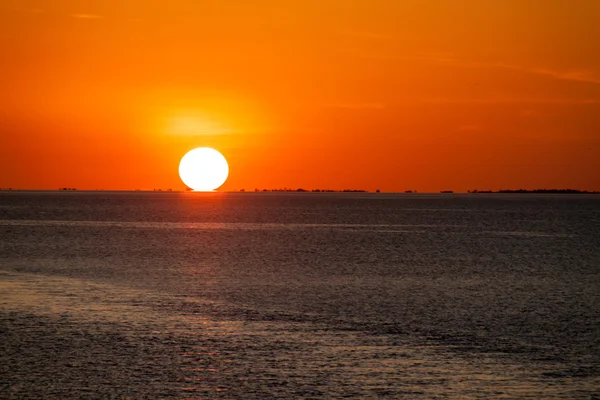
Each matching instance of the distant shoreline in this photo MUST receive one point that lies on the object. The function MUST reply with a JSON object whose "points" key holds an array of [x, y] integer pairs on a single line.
{"points": [[300, 190]]}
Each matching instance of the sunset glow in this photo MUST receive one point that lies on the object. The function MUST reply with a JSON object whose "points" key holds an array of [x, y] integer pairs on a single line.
{"points": [[393, 95]]}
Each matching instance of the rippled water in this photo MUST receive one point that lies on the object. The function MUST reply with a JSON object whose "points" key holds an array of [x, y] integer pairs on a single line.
{"points": [[173, 295]]}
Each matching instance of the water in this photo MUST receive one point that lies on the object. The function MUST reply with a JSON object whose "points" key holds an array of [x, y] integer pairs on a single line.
{"points": [[256, 296]]}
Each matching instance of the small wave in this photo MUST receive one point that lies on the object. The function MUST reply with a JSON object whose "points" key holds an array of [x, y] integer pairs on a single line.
{"points": [[529, 234], [202, 225]]}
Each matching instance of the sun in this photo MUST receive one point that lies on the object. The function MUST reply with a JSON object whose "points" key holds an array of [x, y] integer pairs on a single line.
{"points": [[203, 169]]}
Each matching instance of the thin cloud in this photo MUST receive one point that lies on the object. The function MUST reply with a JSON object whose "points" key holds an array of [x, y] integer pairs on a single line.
{"points": [[585, 76], [506, 100], [86, 16], [577, 75], [573, 75]]}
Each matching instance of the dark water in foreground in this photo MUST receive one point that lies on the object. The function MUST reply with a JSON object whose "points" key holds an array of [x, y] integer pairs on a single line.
{"points": [[261, 296]]}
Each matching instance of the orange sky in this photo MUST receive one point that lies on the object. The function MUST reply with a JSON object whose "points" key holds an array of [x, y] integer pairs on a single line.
{"points": [[372, 94]]}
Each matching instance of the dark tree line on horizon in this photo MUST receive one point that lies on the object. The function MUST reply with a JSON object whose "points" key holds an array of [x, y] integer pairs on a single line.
{"points": [[301, 190]]}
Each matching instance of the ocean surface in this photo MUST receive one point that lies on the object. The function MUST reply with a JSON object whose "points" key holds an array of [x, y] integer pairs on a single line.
{"points": [[280, 296]]}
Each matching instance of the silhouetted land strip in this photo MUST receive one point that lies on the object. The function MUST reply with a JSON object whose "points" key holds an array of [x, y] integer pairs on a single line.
{"points": [[540, 191], [301, 190]]}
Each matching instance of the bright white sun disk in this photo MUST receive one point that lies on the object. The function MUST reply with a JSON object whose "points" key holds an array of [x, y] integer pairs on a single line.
{"points": [[203, 169]]}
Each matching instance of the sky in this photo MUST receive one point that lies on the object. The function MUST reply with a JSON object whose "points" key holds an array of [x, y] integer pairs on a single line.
{"points": [[394, 95]]}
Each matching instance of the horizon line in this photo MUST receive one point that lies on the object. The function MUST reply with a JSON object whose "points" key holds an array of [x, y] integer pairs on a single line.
{"points": [[318, 191]]}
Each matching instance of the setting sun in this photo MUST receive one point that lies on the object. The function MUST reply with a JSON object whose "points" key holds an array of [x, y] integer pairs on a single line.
{"points": [[203, 169]]}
